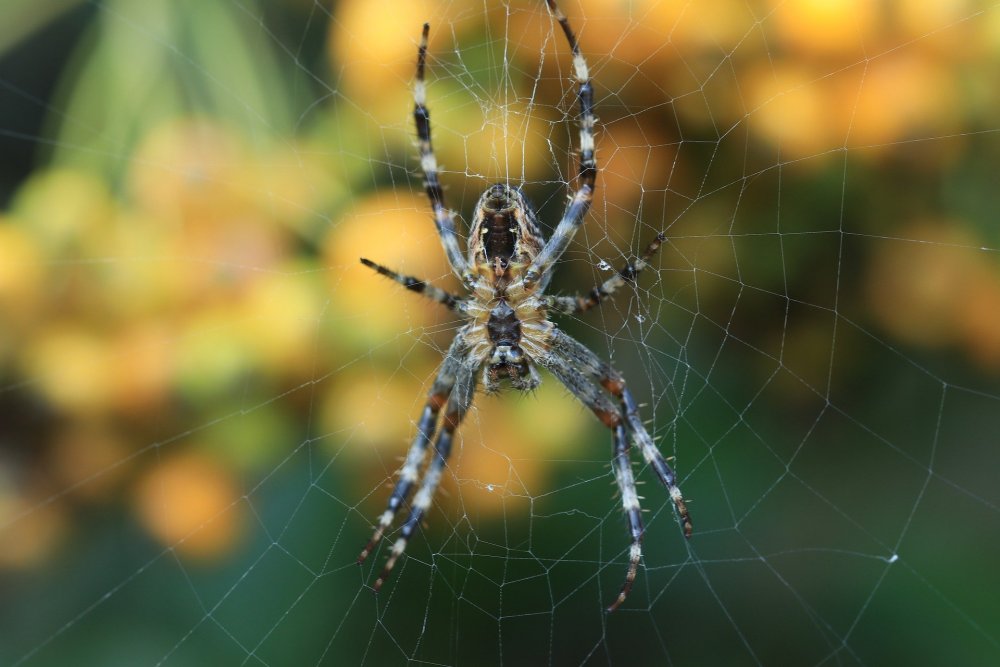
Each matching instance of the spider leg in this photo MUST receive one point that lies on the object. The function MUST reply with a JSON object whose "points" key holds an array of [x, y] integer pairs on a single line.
{"points": [[630, 503], [591, 396], [444, 219], [578, 368], [446, 299], [540, 270], [609, 378], [458, 405], [410, 472], [571, 305]]}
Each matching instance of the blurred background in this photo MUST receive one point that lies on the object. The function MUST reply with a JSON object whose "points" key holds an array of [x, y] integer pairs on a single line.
{"points": [[204, 396]]}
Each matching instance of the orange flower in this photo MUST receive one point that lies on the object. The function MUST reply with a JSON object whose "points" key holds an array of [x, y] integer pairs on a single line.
{"points": [[190, 503]]}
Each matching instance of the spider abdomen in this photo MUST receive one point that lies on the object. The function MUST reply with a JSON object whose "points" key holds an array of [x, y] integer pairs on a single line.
{"points": [[504, 237]]}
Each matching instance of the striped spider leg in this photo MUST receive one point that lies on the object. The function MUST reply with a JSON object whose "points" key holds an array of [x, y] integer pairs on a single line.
{"points": [[540, 271], [572, 305], [444, 218], [453, 387], [584, 374]]}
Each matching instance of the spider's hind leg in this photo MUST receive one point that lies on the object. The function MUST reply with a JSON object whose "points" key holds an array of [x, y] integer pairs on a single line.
{"points": [[540, 271], [444, 218]]}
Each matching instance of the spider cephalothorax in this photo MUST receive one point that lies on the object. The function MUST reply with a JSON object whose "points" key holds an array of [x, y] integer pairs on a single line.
{"points": [[508, 334]]}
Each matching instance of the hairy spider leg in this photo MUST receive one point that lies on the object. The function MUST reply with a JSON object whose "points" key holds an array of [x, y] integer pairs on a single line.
{"points": [[572, 305], [566, 357], [410, 472], [540, 271], [630, 503], [444, 218], [609, 378], [591, 395], [654, 458], [458, 405], [414, 284], [651, 453]]}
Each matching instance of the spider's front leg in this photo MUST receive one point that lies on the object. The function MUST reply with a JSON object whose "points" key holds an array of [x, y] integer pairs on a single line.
{"points": [[580, 370], [580, 356], [457, 406], [590, 394], [426, 427]]}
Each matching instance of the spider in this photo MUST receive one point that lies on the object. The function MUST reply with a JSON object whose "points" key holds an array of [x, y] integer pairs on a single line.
{"points": [[507, 333]]}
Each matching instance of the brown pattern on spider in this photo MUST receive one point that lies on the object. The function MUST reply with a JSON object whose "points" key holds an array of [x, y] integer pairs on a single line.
{"points": [[508, 333]]}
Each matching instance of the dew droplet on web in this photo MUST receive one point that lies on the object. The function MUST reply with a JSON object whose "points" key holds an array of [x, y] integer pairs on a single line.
{"points": [[640, 318], [603, 266]]}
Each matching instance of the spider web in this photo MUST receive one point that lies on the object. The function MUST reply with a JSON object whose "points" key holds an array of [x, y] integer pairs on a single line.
{"points": [[204, 396]]}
